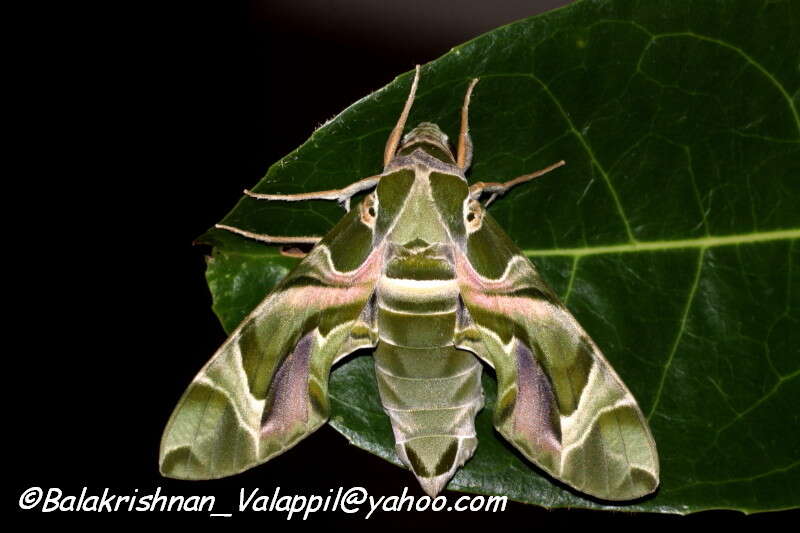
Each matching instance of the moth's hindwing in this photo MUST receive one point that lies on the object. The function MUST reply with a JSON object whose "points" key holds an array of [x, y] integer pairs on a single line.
{"points": [[559, 402], [266, 388]]}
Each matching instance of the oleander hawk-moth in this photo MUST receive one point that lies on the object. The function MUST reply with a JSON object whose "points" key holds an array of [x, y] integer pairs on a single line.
{"points": [[420, 272]]}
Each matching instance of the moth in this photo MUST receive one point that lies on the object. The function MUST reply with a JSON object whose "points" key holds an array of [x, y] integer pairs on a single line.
{"points": [[420, 272]]}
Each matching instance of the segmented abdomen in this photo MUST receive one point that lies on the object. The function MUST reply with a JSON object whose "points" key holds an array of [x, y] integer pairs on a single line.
{"points": [[430, 390]]}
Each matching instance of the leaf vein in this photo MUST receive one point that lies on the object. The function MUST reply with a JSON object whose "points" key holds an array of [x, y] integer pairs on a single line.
{"points": [[679, 334], [650, 246]]}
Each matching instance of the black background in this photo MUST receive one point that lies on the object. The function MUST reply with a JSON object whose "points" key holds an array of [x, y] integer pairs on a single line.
{"points": [[134, 130]]}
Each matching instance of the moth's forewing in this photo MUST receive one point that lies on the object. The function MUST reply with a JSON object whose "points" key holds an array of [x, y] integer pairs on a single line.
{"points": [[266, 388], [559, 402]]}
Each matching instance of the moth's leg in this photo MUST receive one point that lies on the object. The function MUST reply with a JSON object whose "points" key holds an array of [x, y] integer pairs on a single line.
{"points": [[464, 157], [342, 195], [397, 132], [293, 251], [291, 245], [497, 189], [270, 239]]}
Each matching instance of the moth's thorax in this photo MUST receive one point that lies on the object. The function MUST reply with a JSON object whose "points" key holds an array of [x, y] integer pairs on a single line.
{"points": [[429, 138], [419, 218]]}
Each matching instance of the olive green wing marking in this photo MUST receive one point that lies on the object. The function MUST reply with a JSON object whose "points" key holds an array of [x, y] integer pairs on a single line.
{"points": [[266, 388], [559, 402]]}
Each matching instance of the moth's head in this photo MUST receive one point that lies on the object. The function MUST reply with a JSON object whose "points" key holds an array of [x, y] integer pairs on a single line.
{"points": [[429, 138]]}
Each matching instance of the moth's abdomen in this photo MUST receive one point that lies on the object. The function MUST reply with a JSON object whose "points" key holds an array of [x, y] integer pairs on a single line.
{"points": [[431, 397], [430, 390]]}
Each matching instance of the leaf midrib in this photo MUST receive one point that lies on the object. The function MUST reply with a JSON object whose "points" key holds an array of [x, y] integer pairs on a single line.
{"points": [[649, 246]]}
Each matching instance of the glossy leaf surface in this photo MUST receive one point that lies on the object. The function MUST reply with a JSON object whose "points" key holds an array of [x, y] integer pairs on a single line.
{"points": [[671, 233]]}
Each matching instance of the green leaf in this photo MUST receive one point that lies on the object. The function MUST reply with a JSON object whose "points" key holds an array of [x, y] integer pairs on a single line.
{"points": [[671, 233]]}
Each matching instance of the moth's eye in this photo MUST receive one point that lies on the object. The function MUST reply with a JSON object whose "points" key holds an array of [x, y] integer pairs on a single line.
{"points": [[473, 215], [369, 210]]}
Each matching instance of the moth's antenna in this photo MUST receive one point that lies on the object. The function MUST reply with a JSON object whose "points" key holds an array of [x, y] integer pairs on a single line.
{"points": [[397, 132], [464, 157]]}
